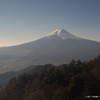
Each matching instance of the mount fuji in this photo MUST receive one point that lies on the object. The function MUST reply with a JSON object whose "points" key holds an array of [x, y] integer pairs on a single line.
{"points": [[56, 48], [61, 34]]}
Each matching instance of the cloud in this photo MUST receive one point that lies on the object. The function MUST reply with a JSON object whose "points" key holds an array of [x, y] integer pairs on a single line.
{"points": [[25, 26], [20, 21], [30, 30]]}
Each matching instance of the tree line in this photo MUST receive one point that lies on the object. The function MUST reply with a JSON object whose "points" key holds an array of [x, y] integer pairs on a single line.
{"points": [[73, 81]]}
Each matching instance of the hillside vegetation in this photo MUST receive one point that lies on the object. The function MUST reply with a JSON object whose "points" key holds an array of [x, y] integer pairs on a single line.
{"points": [[5, 77], [73, 81]]}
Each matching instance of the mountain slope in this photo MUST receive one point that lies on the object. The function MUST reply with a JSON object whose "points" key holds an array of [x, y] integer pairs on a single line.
{"points": [[56, 48]]}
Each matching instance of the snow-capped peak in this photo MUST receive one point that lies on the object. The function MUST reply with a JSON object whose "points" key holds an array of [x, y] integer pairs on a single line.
{"points": [[61, 33]]}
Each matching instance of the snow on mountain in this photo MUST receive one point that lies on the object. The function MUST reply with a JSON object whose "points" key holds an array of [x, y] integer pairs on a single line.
{"points": [[61, 34]]}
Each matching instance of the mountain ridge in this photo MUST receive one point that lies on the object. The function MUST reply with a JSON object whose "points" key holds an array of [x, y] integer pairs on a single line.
{"points": [[53, 50]]}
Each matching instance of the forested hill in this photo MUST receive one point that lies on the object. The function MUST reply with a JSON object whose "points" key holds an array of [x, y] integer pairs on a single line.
{"points": [[5, 77], [96, 70], [73, 81]]}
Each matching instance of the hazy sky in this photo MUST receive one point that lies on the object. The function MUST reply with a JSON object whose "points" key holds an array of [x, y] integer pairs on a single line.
{"points": [[27, 20]]}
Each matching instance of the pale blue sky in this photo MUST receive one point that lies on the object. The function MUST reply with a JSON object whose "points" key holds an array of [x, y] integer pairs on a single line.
{"points": [[27, 20]]}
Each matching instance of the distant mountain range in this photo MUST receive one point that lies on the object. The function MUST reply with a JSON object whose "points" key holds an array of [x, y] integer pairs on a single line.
{"points": [[56, 48]]}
